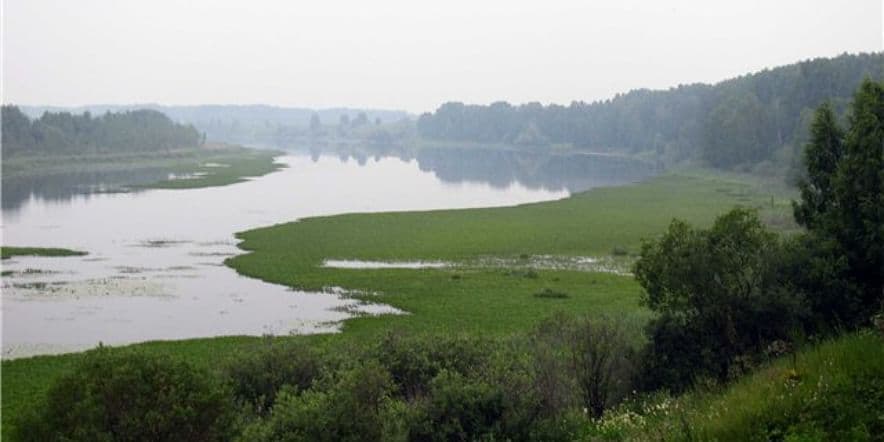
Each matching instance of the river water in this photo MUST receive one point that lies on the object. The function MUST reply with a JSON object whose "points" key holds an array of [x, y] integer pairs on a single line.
{"points": [[155, 264]]}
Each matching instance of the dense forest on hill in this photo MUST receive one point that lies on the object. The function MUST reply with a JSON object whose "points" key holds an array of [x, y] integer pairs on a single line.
{"points": [[737, 123], [67, 133]]}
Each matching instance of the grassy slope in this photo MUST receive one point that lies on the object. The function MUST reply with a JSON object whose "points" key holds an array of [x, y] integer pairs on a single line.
{"points": [[478, 300], [830, 391], [9, 252]]}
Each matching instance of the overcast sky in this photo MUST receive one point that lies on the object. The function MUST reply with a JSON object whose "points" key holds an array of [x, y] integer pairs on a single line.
{"points": [[405, 54]]}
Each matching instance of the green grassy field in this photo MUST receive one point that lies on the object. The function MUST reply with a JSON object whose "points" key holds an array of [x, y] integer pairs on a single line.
{"points": [[472, 296], [9, 252]]}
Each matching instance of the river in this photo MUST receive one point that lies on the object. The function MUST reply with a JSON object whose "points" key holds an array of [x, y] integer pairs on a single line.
{"points": [[155, 265]]}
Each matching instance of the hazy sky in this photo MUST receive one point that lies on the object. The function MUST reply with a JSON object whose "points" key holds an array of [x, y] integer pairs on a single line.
{"points": [[405, 54]]}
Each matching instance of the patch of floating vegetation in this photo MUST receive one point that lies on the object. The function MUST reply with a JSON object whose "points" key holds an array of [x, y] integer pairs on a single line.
{"points": [[119, 286], [29, 272], [212, 254], [216, 243], [179, 268], [358, 264], [161, 243], [7, 252], [129, 270]]}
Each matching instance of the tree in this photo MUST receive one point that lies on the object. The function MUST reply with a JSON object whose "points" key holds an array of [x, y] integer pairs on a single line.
{"points": [[842, 205], [719, 298], [315, 124], [360, 120], [856, 219], [821, 156]]}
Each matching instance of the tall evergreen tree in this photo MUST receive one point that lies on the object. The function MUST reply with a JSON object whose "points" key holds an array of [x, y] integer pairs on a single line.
{"points": [[842, 206], [857, 220], [821, 157]]}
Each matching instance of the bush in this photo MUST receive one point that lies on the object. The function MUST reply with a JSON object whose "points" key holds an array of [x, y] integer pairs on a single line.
{"points": [[619, 251], [415, 360], [458, 408], [126, 396], [552, 294], [354, 405], [257, 376], [598, 356]]}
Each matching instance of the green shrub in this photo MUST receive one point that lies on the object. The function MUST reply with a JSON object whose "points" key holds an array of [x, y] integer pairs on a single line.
{"points": [[353, 405], [595, 353], [414, 360], [619, 251], [256, 377], [458, 408], [127, 396], [552, 294]]}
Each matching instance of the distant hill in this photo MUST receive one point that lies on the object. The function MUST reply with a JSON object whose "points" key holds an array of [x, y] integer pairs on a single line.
{"points": [[754, 121]]}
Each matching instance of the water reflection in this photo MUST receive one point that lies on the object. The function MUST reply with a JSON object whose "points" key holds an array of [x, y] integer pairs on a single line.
{"points": [[500, 168], [61, 188]]}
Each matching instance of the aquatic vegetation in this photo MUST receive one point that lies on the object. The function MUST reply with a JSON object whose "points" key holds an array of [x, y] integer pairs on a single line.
{"points": [[8, 252]]}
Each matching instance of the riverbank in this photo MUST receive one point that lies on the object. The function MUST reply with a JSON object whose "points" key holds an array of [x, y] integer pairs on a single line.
{"points": [[186, 168]]}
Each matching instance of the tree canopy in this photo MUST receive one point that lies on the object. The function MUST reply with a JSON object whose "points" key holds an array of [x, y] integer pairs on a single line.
{"points": [[67, 133], [738, 122]]}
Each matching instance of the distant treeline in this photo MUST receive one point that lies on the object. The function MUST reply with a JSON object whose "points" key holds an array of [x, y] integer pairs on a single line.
{"points": [[241, 124], [66, 133], [738, 122]]}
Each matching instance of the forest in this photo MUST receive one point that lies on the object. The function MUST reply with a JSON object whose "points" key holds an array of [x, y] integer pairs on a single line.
{"points": [[62, 133], [757, 121]]}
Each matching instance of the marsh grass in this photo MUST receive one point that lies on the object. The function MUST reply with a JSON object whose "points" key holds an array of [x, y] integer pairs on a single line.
{"points": [[9, 252], [220, 168]]}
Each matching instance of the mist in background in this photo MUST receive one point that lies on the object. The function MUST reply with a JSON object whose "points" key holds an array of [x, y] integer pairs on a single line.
{"points": [[402, 54]]}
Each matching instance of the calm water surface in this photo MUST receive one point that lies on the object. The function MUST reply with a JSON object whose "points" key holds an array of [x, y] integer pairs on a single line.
{"points": [[155, 265]]}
